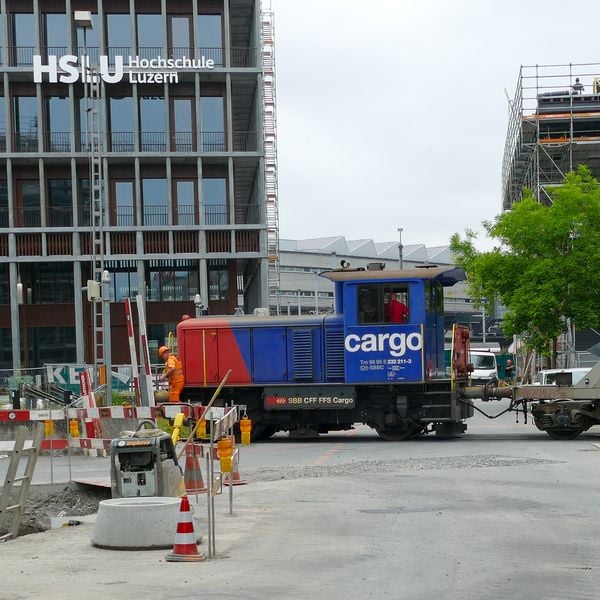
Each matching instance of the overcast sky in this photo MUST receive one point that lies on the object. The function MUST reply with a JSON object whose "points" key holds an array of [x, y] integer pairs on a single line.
{"points": [[392, 113]]}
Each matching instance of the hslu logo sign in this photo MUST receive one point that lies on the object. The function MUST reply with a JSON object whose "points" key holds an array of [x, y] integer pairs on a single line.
{"points": [[70, 68]]}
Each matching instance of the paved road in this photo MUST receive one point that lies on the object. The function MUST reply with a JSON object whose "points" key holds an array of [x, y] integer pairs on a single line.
{"points": [[502, 513]]}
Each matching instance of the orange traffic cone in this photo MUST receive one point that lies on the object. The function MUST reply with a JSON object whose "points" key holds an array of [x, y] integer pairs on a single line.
{"points": [[193, 475], [234, 478], [185, 548]]}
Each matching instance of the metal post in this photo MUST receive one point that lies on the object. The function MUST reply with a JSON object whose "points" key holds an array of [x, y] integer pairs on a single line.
{"points": [[106, 335], [400, 249], [316, 291], [483, 323]]}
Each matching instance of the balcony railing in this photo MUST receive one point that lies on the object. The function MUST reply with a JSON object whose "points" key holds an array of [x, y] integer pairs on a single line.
{"points": [[124, 216], [121, 141], [245, 141], [153, 141], [124, 51], [214, 54], [21, 55], [247, 214], [243, 58], [213, 141], [60, 216], [25, 141], [186, 214], [150, 52], [156, 216], [92, 51], [28, 217], [183, 141], [57, 141], [215, 214]]}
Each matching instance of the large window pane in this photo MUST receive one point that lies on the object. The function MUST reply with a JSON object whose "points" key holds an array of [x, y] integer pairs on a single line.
{"points": [[214, 201], [218, 280], [55, 33], [213, 124], [59, 124], [125, 211], [60, 203], [183, 124], [210, 34], [118, 36], [155, 202], [51, 345], [152, 123], [150, 36], [3, 203], [30, 202], [180, 37], [172, 280], [83, 197], [2, 125], [26, 124], [24, 38], [185, 202], [122, 124]]}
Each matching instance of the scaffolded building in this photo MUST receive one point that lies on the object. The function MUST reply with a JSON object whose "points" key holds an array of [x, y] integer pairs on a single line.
{"points": [[554, 126]]}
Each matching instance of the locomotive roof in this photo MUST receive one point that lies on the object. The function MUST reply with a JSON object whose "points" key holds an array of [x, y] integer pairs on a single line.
{"points": [[447, 276]]}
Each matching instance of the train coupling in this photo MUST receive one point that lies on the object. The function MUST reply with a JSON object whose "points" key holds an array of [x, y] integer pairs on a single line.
{"points": [[488, 391]]}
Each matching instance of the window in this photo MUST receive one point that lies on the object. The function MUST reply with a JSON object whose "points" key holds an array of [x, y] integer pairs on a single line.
{"points": [[382, 304], [124, 205], [2, 126], [213, 124], [123, 279], [29, 193], [218, 280], [4, 296], [58, 138], [172, 280], [180, 33], [3, 203], [23, 29], [83, 198], [118, 29], [186, 203], [155, 202], [210, 34], [183, 125], [150, 36], [51, 345], [214, 201], [122, 124], [26, 123], [60, 203], [50, 283], [153, 120], [55, 33]]}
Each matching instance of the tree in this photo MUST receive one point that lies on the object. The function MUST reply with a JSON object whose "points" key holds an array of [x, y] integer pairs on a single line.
{"points": [[546, 268]]}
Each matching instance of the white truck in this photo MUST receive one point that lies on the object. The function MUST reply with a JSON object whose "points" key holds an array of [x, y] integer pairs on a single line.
{"points": [[484, 364]]}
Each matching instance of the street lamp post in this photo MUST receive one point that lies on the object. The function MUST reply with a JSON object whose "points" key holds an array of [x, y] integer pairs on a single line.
{"points": [[400, 249]]}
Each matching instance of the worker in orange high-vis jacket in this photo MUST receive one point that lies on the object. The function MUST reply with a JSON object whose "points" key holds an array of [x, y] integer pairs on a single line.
{"points": [[173, 372]]}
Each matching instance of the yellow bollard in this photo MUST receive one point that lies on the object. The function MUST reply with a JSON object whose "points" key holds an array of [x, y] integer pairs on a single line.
{"points": [[246, 430], [225, 452], [49, 428], [201, 433], [74, 428], [177, 425]]}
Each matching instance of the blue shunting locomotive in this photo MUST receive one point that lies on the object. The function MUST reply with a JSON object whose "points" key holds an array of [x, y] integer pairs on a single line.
{"points": [[315, 374]]}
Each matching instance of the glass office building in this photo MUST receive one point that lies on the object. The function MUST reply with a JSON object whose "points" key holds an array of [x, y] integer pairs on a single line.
{"points": [[184, 109]]}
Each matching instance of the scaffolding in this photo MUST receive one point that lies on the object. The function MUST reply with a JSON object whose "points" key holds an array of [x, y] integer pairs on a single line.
{"points": [[267, 33], [553, 126]]}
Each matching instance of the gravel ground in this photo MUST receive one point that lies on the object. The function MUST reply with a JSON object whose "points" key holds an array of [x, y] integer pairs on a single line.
{"points": [[46, 501]]}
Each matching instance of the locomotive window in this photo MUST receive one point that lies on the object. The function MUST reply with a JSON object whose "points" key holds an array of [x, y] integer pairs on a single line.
{"points": [[375, 304]]}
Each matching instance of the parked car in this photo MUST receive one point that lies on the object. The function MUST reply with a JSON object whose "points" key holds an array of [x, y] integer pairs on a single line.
{"points": [[548, 376]]}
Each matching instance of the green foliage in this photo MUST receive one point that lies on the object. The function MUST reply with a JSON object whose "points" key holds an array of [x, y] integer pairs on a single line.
{"points": [[545, 268]]}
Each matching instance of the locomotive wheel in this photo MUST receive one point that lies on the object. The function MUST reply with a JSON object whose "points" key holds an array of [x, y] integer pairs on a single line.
{"points": [[564, 433], [398, 434]]}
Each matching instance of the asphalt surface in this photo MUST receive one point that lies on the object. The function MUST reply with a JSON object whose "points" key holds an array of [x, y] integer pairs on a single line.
{"points": [[504, 512]]}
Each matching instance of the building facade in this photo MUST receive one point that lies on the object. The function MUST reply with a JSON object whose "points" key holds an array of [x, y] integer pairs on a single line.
{"points": [[152, 159]]}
